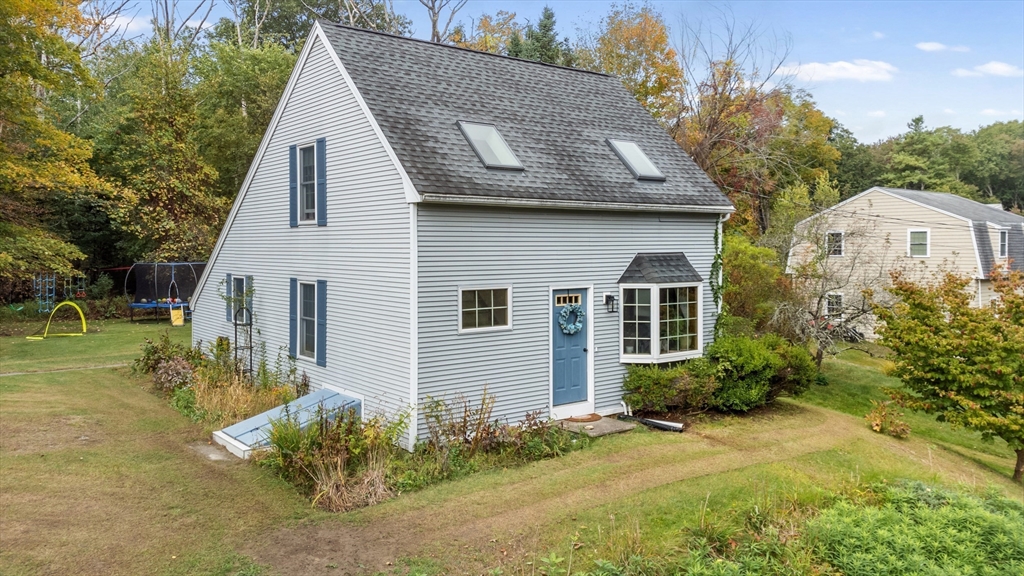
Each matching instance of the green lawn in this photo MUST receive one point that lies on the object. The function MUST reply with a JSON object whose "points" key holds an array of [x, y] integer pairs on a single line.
{"points": [[856, 378], [97, 477], [107, 342]]}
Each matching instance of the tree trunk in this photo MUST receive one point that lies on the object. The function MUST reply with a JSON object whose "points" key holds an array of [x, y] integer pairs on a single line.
{"points": [[1018, 470]]}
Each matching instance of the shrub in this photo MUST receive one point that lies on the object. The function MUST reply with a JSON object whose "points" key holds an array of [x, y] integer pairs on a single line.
{"points": [[744, 368], [173, 373], [797, 372], [688, 386], [885, 419], [155, 353], [922, 530], [101, 288]]}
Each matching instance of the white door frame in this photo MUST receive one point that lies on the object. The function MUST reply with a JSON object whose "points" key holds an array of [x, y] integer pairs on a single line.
{"points": [[577, 408]]}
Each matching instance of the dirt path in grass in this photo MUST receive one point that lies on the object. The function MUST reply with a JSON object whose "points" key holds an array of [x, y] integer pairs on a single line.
{"points": [[485, 524]]}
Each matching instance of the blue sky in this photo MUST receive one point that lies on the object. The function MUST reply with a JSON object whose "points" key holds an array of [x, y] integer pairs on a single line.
{"points": [[871, 65]]}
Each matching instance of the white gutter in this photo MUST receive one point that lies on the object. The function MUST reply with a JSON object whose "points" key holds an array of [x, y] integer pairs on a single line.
{"points": [[572, 204]]}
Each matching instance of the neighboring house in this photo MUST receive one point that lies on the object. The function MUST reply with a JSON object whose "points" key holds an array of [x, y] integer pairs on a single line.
{"points": [[854, 245], [418, 215]]}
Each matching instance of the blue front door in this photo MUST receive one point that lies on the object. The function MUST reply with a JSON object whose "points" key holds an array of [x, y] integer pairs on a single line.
{"points": [[569, 380]]}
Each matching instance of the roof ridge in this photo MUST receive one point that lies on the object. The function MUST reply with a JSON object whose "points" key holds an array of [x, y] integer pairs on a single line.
{"points": [[470, 50]]}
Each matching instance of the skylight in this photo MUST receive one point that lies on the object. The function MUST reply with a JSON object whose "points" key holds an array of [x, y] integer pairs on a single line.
{"points": [[635, 159], [489, 146]]}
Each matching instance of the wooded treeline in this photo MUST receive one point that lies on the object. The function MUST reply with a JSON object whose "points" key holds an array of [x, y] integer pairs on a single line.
{"points": [[116, 148]]}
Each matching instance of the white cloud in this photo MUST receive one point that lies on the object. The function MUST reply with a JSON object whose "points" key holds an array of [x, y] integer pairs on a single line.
{"points": [[994, 68], [877, 114], [131, 24], [862, 70], [965, 73], [949, 111], [939, 47], [878, 35], [994, 112]]}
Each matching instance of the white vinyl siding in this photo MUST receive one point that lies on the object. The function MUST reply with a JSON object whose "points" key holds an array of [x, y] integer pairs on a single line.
{"points": [[362, 253], [535, 250]]}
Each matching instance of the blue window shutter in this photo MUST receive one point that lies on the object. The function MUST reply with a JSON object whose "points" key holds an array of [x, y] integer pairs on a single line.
{"points": [[248, 295], [229, 290], [293, 186], [293, 314], [321, 322], [321, 182]]}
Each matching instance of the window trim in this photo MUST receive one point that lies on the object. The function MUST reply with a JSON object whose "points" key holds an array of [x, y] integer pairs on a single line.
{"points": [[927, 244], [517, 167], [1004, 243], [842, 243], [299, 318], [298, 185], [246, 286], [656, 357], [505, 328], [842, 305]]}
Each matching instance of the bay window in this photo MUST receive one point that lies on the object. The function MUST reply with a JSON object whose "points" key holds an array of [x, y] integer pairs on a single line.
{"points": [[660, 322]]}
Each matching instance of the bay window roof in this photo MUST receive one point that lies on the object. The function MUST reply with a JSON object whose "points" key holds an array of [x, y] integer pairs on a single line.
{"points": [[659, 268]]}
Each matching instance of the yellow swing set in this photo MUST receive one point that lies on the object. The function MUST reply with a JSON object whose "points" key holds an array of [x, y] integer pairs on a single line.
{"points": [[46, 332]]}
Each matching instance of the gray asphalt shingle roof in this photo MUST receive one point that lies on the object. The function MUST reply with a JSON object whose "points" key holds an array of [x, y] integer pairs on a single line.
{"points": [[556, 120], [980, 215], [659, 268]]}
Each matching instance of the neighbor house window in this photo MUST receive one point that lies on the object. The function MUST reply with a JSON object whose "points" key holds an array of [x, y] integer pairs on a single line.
{"points": [[307, 183], [489, 146], [834, 243], [834, 306], [483, 308], [1003, 243], [307, 319], [635, 160], [918, 243], [660, 323]]}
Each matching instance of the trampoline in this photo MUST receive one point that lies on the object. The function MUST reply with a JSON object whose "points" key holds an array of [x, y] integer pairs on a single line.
{"points": [[163, 285]]}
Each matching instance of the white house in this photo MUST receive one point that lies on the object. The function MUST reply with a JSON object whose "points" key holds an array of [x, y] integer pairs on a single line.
{"points": [[418, 216]]}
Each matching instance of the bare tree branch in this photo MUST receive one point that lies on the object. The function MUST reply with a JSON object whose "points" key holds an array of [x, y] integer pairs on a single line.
{"points": [[436, 10]]}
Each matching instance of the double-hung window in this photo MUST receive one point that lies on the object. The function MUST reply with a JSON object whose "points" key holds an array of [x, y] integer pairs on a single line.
{"points": [[1004, 239], [660, 322], [834, 243], [834, 306], [918, 243], [485, 308], [307, 183], [307, 333], [238, 291], [307, 188], [307, 319]]}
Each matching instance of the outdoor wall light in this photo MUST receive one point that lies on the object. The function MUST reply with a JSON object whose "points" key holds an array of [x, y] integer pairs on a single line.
{"points": [[610, 303]]}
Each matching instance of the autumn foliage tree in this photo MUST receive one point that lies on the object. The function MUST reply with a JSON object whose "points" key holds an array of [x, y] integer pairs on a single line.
{"points": [[40, 164], [633, 44], [961, 363]]}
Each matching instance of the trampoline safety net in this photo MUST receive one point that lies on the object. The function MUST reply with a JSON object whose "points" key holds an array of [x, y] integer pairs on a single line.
{"points": [[155, 281]]}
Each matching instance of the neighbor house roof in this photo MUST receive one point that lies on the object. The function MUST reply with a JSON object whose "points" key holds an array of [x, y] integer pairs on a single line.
{"points": [[659, 268], [980, 215], [556, 121]]}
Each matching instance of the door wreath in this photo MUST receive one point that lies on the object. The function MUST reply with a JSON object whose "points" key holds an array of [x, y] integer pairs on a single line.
{"points": [[563, 319]]}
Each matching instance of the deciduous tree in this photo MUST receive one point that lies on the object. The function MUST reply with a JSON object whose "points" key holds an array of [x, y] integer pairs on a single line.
{"points": [[963, 364]]}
